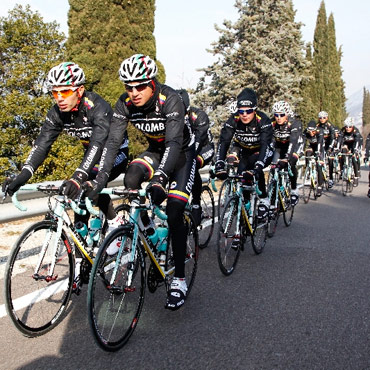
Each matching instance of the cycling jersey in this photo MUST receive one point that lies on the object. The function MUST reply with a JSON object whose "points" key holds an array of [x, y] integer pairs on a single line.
{"points": [[351, 139], [90, 123], [328, 134], [254, 137], [367, 146], [161, 120], [315, 142], [287, 137]]}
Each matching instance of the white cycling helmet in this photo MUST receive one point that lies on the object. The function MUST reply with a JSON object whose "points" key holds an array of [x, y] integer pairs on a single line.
{"points": [[138, 67], [323, 114], [349, 122], [282, 107], [66, 74]]}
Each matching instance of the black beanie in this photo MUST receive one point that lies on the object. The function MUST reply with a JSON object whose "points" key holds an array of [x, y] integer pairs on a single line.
{"points": [[247, 98]]}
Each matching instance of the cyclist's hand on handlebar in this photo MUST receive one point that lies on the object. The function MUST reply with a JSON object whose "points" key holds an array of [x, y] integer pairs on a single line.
{"points": [[220, 170], [282, 163], [71, 187], [93, 187], [13, 183], [156, 188], [249, 175]]}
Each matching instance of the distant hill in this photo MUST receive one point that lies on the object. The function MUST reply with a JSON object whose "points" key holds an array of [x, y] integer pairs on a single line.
{"points": [[354, 106]]}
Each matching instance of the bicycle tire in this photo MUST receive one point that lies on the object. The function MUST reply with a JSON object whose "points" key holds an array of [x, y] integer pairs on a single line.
{"points": [[34, 304], [223, 196], [227, 252], [289, 209], [259, 232], [123, 210], [274, 213], [207, 223], [307, 187], [114, 308]]}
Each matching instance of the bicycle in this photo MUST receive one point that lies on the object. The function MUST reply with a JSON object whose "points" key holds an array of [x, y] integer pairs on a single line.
{"points": [[117, 282], [347, 174], [207, 203], [310, 182], [237, 223], [336, 166], [227, 188], [40, 273], [279, 193]]}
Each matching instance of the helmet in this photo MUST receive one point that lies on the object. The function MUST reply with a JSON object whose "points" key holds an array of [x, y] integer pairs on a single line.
{"points": [[323, 114], [138, 67], [185, 98], [282, 107], [233, 107], [349, 122], [66, 74]]}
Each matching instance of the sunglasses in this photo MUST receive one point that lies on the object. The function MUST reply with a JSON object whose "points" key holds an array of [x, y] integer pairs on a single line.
{"points": [[246, 111], [322, 117], [63, 93], [279, 114], [138, 87]]}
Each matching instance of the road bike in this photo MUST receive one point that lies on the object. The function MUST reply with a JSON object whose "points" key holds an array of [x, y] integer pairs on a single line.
{"points": [[50, 260], [310, 182], [348, 173], [238, 224], [117, 283], [279, 193]]}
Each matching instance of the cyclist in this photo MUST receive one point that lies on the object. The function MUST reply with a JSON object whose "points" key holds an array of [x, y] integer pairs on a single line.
{"points": [[82, 114], [329, 136], [204, 148], [250, 132], [315, 146], [350, 143], [287, 139], [366, 157], [158, 112]]}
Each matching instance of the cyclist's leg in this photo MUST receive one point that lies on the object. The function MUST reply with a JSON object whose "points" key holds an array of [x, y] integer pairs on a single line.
{"points": [[181, 183]]}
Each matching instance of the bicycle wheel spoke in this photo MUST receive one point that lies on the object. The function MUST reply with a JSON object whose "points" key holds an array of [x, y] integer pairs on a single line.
{"points": [[36, 298], [116, 292], [208, 217]]}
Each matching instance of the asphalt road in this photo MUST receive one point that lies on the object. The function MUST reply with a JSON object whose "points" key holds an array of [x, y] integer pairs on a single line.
{"points": [[304, 303]]}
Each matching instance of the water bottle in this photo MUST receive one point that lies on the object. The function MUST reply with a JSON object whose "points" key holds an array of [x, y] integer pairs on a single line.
{"points": [[81, 228], [149, 227], [162, 244], [95, 227]]}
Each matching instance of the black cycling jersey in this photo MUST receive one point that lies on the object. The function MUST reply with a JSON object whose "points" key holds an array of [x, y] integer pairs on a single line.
{"points": [[199, 122], [161, 120], [253, 137], [328, 133], [288, 136], [351, 139], [90, 123], [367, 146], [315, 142]]}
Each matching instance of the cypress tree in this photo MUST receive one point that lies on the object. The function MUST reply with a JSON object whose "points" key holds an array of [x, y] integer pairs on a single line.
{"points": [[262, 50], [366, 109], [102, 33]]}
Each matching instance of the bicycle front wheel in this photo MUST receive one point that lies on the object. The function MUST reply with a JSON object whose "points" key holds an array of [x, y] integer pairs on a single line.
{"points": [[274, 211], [307, 186], [223, 196], [208, 217], [288, 209], [116, 290], [36, 297], [229, 237]]}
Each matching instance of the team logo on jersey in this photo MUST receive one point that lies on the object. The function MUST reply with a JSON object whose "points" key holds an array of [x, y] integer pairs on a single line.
{"points": [[148, 159], [162, 98], [173, 185], [88, 103]]}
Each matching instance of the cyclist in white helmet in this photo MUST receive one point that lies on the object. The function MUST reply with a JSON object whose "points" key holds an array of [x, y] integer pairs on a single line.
{"points": [[81, 114], [328, 132], [287, 141], [169, 161]]}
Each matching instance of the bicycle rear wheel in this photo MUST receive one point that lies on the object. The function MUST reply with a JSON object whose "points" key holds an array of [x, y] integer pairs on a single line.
{"points": [[116, 291], [306, 186], [208, 217], [35, 300], [229, 237]]}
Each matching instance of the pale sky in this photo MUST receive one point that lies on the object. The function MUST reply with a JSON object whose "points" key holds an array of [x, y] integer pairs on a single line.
{"points": [[185, 29]]}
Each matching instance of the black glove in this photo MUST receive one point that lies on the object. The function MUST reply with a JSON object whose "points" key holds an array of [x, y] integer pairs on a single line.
{"points": [[282, 163], [92, 188], [248, 175], [156, 188], [71, 187], [13, 183], [258, 170], [220, 170]]}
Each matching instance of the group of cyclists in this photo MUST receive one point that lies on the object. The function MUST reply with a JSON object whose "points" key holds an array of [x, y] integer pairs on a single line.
{"points": [[179, 144]]}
